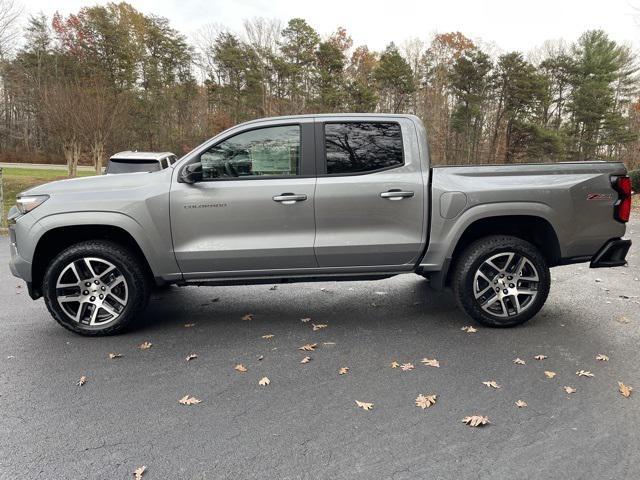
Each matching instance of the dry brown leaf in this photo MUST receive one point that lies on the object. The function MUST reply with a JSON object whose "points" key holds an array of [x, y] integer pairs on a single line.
{"points": [[268, 336], [624, 320], [549, 374], [309, 347], [519, 361], [145, 345], [318, 326], [189, 400], [115, 355], [625, 390], [191, 356], [430, 362], [343, 370], [138, 472], [305, 320], [240, 368], [602, 358], [305, 360], [521, 404], [476, 420], [189, 325], [425, 401], [469, 329], [584, 373], [395, 364], [540, 357], [81, 381], [364, 405], [491, 384], [248, 316], [405, 367], [569, 389], [264, 381]]}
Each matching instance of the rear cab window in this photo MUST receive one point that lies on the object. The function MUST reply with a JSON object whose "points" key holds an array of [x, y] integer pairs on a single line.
{"points": [[362, 147], [123, 165]]}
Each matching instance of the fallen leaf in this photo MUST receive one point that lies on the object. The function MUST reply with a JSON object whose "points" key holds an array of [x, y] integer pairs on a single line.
{"points": [[115, 355], [268, 336], [305, 320], [264, 381], [569, 389], [624, 320], [549, 374], [405, 367], [81, 381], [309, 347], [240, 368], [584, 373], [364, 405], [540, 357], [425, 401], [519, 361], [191, 356], [248, 316], [275, 287], [476, 420], [145, 345], [521, 404], [469, 329], [343, 370], [261, 357], [138, 472], [305, 360], [394, 364], [189, 325], [624, 390], [319, 326], [491, 384], [601, 357], [430, 362], [189, 400]]}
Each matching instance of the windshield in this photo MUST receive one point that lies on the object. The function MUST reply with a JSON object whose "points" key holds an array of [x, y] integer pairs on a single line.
{"points": [[123, 165]]}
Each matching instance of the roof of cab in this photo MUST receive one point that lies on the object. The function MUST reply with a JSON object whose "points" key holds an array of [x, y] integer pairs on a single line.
{"points": [[328, 115], [135, 155]]}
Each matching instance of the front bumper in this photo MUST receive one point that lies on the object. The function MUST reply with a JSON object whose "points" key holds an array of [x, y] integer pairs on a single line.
{"points": [[19, 266], [612, 254]]}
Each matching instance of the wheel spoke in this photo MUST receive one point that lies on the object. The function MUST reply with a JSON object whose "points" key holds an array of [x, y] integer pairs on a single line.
{"points": [[479, 294], [508, 262], [99, 302]]}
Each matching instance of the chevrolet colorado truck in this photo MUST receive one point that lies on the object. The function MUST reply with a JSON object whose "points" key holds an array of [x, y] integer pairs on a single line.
{"points": [[316, 197]]}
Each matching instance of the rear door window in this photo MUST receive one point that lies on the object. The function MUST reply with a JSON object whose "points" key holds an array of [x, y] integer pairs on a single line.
{"points": [[361, 147], [122, 165]]}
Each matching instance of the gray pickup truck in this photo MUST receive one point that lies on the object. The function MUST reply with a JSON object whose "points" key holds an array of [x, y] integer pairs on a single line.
{"points": [[318, 197]]}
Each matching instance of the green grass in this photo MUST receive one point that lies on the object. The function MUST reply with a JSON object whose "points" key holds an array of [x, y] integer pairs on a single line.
{"points": [[15, 180]]}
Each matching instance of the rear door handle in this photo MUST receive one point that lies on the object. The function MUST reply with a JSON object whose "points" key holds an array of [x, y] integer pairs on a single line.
{"points": [[396, 194], [289, 198]]}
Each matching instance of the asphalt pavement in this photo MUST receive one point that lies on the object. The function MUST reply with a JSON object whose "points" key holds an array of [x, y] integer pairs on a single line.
{"points": [[305, 423]]}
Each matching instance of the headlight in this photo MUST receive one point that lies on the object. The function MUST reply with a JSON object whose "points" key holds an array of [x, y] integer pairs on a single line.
{"points": [[28, 202]]}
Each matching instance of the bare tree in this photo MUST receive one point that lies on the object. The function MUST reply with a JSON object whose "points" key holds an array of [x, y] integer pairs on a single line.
{"points": [[10, 12]]}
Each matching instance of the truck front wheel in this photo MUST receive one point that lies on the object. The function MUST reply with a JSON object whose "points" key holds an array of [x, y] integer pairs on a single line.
{"points": [[501, 281], [95, 288]]}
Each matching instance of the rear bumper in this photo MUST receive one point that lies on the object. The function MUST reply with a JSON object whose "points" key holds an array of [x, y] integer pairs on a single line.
{"points": [[612, 254]]}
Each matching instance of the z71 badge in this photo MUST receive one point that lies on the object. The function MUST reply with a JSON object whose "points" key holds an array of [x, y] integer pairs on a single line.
{"points": [[599, 196]]}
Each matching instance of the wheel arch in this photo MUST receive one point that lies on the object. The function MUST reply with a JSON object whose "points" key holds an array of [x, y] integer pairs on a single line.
{"points": [[55, 240]]}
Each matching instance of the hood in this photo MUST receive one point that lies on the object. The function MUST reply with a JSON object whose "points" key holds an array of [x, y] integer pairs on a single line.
{"points": [[100, 183]]}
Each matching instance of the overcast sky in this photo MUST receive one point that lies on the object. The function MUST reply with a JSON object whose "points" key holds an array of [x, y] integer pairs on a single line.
{"points": [[509, 24]]}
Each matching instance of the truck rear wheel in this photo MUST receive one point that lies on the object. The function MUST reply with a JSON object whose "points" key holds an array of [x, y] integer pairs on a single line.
{"points": [[501, 281], [95, 288]]}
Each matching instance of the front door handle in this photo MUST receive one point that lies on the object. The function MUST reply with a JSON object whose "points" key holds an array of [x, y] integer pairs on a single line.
{"points": [[289, 198], [396, 194]]}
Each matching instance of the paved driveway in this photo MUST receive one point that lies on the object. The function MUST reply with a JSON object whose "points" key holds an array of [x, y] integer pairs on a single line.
{"points": [[305, 424]]}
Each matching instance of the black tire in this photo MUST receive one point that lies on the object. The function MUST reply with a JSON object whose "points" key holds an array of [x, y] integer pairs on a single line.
{"points": [[128, 265], [474, 257]]}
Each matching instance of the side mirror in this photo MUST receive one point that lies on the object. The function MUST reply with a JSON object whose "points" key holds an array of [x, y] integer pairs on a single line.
{"points": [[192, 173]]}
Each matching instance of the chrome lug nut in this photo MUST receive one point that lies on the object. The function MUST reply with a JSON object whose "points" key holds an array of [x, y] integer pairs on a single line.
{"points": [[103, 288], [93, 299], [101, 296], [505, 291], [511, 285], [86, 292]]}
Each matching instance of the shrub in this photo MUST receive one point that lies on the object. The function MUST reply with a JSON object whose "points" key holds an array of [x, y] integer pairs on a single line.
{"points": [[635, 180]]}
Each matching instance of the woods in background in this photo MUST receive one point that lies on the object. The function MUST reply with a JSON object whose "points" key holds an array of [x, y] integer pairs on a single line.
{"points": [[110, 78]]}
